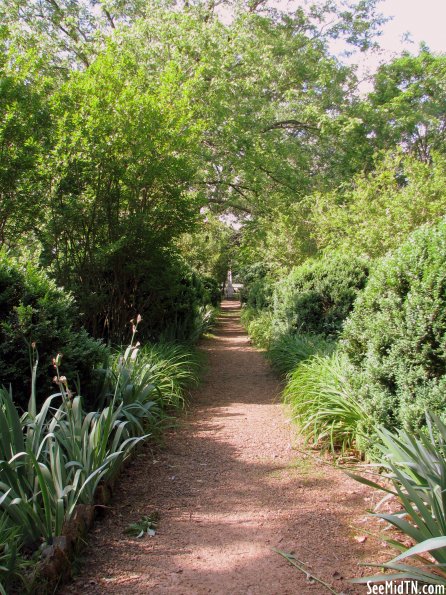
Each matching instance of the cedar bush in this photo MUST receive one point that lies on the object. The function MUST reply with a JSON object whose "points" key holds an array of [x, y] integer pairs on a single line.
{"points": [[396, 335], [212, 291], [34, 310], [316, 297], [258, 286]]}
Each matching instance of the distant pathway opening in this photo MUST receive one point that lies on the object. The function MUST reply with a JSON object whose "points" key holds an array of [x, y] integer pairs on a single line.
{"points": [[230, 486]]}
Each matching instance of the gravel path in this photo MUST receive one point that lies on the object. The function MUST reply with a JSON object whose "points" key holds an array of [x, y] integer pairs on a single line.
{"points": [[230, 484]]}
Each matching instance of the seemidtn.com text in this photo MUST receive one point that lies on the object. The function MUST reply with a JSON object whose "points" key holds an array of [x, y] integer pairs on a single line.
{"points": [[405, 588]]}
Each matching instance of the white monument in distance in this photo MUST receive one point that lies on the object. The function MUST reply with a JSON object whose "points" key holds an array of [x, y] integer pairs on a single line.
{"points": [[229, 291]]}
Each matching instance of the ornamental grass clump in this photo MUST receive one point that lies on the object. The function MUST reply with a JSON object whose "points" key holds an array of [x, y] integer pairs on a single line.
{"points": [[53, 457], [416, 470], [13, 566], [154, 376], [323, 402], [286, 352]]}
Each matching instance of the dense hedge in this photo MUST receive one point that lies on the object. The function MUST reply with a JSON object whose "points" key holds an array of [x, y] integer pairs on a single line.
{"points": [[34, 310], [317, 296], [164, 290], [258, 287], [396, 335], [212, 291]]}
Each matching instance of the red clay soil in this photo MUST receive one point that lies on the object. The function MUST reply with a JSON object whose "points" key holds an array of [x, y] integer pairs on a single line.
{"points": [[231, 483]]}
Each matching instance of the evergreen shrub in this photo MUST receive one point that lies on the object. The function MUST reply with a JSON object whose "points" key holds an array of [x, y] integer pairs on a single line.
{"points": [[316, 297], [34, 310], [258, 287], [396, 335]]}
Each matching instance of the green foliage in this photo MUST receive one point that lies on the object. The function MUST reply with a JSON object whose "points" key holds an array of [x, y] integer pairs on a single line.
{"points": [[287, 351], [212, 291], [324, 402], [24, 130], [159, 373], [408, 103], [317, 297], [258, 286], [260, 326], [55, 460], [378, 210], [283, 237], [118, 178], [209, 248], [184, 313], [396, 334], [54, 457], [417, 469], [145, 526], [13, 565], [33, 310]]}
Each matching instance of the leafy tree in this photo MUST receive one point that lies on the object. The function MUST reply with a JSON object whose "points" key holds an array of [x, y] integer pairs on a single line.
{"points": [[381, 208], [210, 248], [118, 180], [24, 138], [408, 104]]}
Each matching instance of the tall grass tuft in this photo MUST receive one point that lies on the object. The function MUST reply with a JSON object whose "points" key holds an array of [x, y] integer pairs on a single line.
{"points": [[323, 402], [13, 565], [286, 352], [53, 458], [156, 374]]}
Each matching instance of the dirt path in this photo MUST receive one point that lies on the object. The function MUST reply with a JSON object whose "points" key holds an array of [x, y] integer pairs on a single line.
{"points": [[229, 487]]}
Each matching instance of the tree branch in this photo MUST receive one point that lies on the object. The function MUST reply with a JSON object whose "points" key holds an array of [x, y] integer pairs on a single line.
{"points": [[272, 176], [229, 205], [109, 17], [236, 187], [294, 124]]}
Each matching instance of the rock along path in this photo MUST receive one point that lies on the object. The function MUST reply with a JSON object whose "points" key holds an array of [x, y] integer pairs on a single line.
{"points": [[230, 486]]}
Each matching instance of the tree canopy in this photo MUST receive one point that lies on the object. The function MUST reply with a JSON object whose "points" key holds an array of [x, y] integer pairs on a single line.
{"points": [[129, 128]]}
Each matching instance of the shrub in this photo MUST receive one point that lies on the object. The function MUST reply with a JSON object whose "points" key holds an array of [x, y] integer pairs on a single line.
{"points": [[258, 287], [163, 288], [324, 403], [34, 310], [173, 302], [396, 335], [259, 326], [317, 296], [213, 292], [286, 352]]}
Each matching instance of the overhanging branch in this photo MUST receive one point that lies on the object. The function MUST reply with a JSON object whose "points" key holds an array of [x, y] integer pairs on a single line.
{"points": [[291, 124]]}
